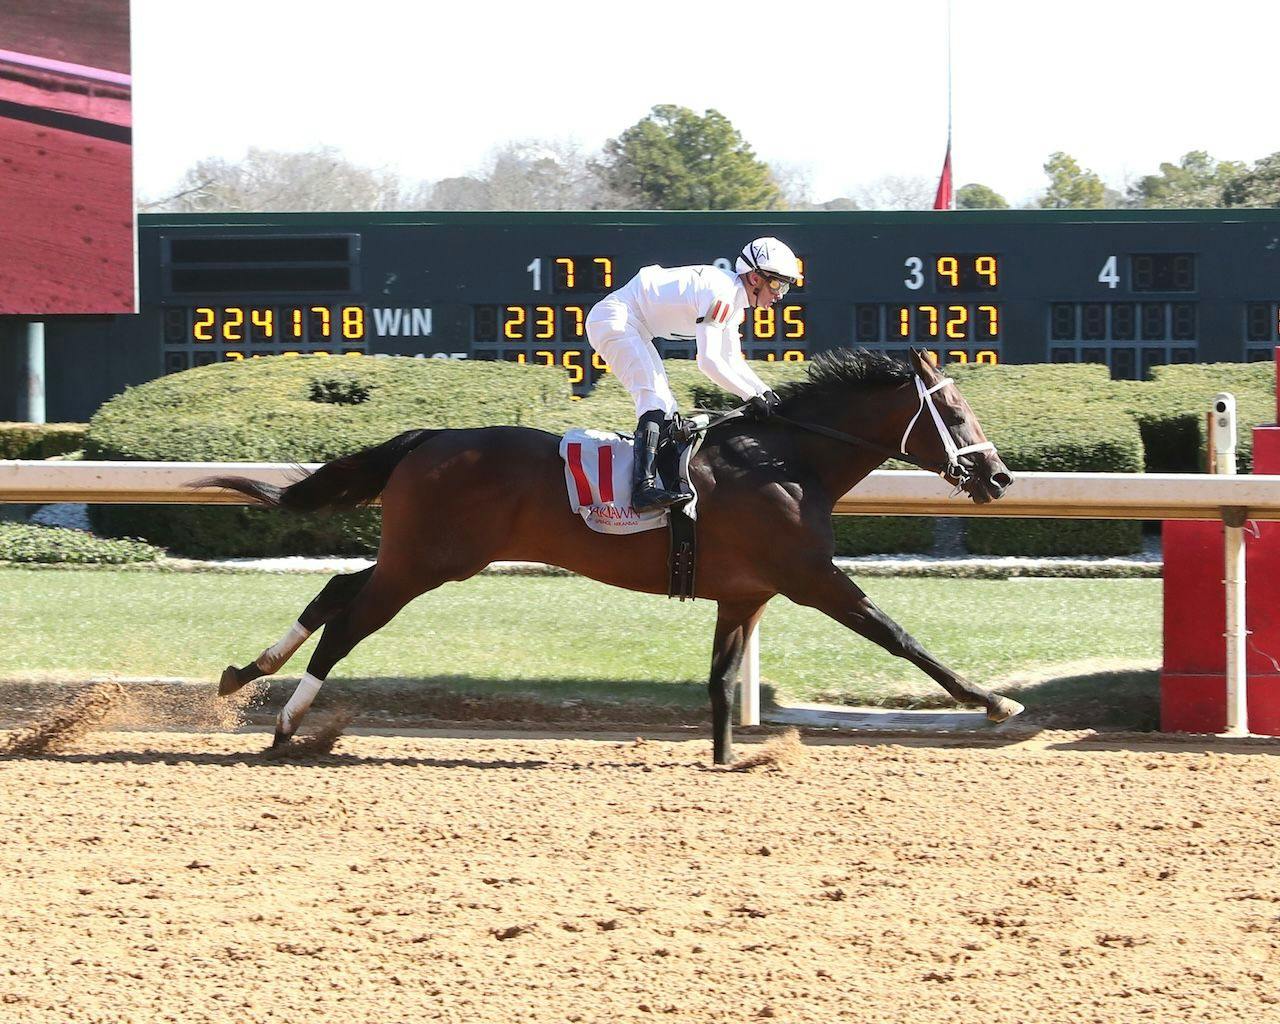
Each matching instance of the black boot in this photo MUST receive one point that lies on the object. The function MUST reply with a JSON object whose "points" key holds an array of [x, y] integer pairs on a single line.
{"points": [[647, 492]]}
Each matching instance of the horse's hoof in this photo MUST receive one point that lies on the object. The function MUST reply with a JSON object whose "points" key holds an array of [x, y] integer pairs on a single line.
{"points": [[1003, 710], [281, 739], [230, 681]]}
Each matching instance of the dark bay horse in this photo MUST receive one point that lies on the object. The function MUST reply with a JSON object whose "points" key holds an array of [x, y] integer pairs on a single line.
{"points": [[455, 500]]}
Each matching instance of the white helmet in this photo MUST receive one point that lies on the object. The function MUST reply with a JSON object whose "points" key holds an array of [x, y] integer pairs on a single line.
{"points": [[769, 256]]}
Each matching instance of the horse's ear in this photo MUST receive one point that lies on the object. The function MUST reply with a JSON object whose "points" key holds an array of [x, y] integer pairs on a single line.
{"points": [[922, 365]]}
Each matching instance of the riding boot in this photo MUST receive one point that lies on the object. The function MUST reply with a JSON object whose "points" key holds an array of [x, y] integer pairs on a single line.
{"points": [[647, 492]]}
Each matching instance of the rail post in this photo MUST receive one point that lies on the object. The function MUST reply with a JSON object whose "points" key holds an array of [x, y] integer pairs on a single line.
{"points": [[749, 679], [1222, 461]]}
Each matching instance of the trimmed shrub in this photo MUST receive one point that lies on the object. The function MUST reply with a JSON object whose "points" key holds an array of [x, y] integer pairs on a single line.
{"points": [[882, 535], [40, 440], [301, 409], [28, 543], [1053, 419], [1171, 408]]}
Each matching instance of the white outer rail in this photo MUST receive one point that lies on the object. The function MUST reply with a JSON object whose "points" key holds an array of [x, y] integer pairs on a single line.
{"points": [[884, 492], [1231, 499]]}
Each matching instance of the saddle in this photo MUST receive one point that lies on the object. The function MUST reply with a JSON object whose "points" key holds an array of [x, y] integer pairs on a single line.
{"points": [[597, 470]]}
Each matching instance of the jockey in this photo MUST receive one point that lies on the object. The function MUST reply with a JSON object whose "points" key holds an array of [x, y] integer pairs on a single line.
{"points": [[703, 303]]}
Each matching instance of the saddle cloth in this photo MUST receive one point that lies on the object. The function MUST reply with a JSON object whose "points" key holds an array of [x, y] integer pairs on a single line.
{"points": [[597, 473]]}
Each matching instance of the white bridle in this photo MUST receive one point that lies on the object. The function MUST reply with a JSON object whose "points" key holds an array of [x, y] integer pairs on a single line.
{"points": [[948, 443]]}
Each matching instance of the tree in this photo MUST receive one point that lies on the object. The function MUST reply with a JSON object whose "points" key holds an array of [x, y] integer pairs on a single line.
{"points": [[269, 181], [674, 159], [894, 192], [1071, 187], [795, 184], [979, 197], [1196, 181], [1258, 186]]}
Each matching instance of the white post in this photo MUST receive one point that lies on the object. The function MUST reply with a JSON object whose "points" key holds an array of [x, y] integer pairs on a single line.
{"points": [[1222, 437], [749, 679]]}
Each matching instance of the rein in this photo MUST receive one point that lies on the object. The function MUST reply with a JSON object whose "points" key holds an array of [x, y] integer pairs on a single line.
{"points": [[952, 469]]}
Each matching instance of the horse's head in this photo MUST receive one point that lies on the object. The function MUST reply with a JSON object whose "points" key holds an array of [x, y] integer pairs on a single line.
{"points": [[945, 433]]}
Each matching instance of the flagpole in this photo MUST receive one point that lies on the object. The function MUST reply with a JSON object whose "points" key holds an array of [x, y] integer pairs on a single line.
{"points": [[953, 194]]}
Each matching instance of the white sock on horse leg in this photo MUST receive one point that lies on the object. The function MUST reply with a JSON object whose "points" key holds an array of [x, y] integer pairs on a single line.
{"points": [[273, 658], [305, 692]]}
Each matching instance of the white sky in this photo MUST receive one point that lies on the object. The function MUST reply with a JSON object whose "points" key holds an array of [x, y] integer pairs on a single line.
{"points": [[850, 93]]}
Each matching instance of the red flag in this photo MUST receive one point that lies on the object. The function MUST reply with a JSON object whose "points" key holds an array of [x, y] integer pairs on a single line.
{"points": [[942, 201]]}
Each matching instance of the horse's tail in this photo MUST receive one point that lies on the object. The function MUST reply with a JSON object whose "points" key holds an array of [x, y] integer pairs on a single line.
{"points": [[343, 483]]}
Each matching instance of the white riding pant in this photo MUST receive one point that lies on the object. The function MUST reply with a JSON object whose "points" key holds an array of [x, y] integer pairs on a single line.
{"points": [[632, 358]]}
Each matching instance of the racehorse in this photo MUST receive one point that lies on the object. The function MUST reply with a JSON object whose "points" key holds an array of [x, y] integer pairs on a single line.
{"points": [[455, 500]]}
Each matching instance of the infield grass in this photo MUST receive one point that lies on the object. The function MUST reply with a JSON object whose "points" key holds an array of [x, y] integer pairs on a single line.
{"points": [[565, 637]]}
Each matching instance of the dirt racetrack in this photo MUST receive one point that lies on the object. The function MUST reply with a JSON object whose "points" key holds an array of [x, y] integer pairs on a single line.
{"points": [[181, 876]]}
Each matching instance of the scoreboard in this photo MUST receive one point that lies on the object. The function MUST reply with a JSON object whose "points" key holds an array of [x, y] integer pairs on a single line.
{"points": [[1130, 289]]}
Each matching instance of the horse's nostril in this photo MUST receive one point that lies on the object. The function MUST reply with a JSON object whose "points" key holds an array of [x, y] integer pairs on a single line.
{"points": [[1001, 480]]}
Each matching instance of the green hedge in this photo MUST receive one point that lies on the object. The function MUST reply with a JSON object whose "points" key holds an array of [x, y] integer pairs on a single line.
{"points": [[28, 543], [40, 440], [1171, 408], [1053, 419], [304, 409], [1044, 418]]}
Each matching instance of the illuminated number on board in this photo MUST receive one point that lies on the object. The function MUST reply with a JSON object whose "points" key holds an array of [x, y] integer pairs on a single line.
{"points": [[572, 361], [957, 321], [993, 320], [233, 320], [949, 267], [604, 272], [764, 323], [931, 312], [296, 322], [233, 357], [957, 355], [573, 323], [513, 322], [322, 312], [545, 324], [988, 357], [986, 267], [598, 363], [201, 328], [564, 261], [262, 324], [353, 322], [915, 272], [800, 279], [792, 355], [904, 321], [548, 358], [1108, 275], [535, 268], [793, 317]]}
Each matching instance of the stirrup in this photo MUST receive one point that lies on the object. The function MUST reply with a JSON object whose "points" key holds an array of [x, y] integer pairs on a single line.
{"points": [[653, 497]]}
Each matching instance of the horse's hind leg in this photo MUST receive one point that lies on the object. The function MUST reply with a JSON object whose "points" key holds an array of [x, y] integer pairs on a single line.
{"points": [[335, 596], [376, 604], [831, 591], [734, 623]]}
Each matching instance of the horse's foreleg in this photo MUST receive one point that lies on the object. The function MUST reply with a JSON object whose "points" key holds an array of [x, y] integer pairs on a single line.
{"points": [[733, 623], [335, 596], [832, 592]]}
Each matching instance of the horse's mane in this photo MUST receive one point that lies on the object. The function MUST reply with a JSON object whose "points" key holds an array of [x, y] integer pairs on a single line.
{"points": [[834, 373]]}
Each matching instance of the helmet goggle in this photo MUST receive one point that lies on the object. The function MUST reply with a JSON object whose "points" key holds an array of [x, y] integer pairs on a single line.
{"points": [[778, 285]]}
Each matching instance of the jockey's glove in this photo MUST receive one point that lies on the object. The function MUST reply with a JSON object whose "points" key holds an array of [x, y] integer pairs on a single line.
{"points": [[762, 406]]}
